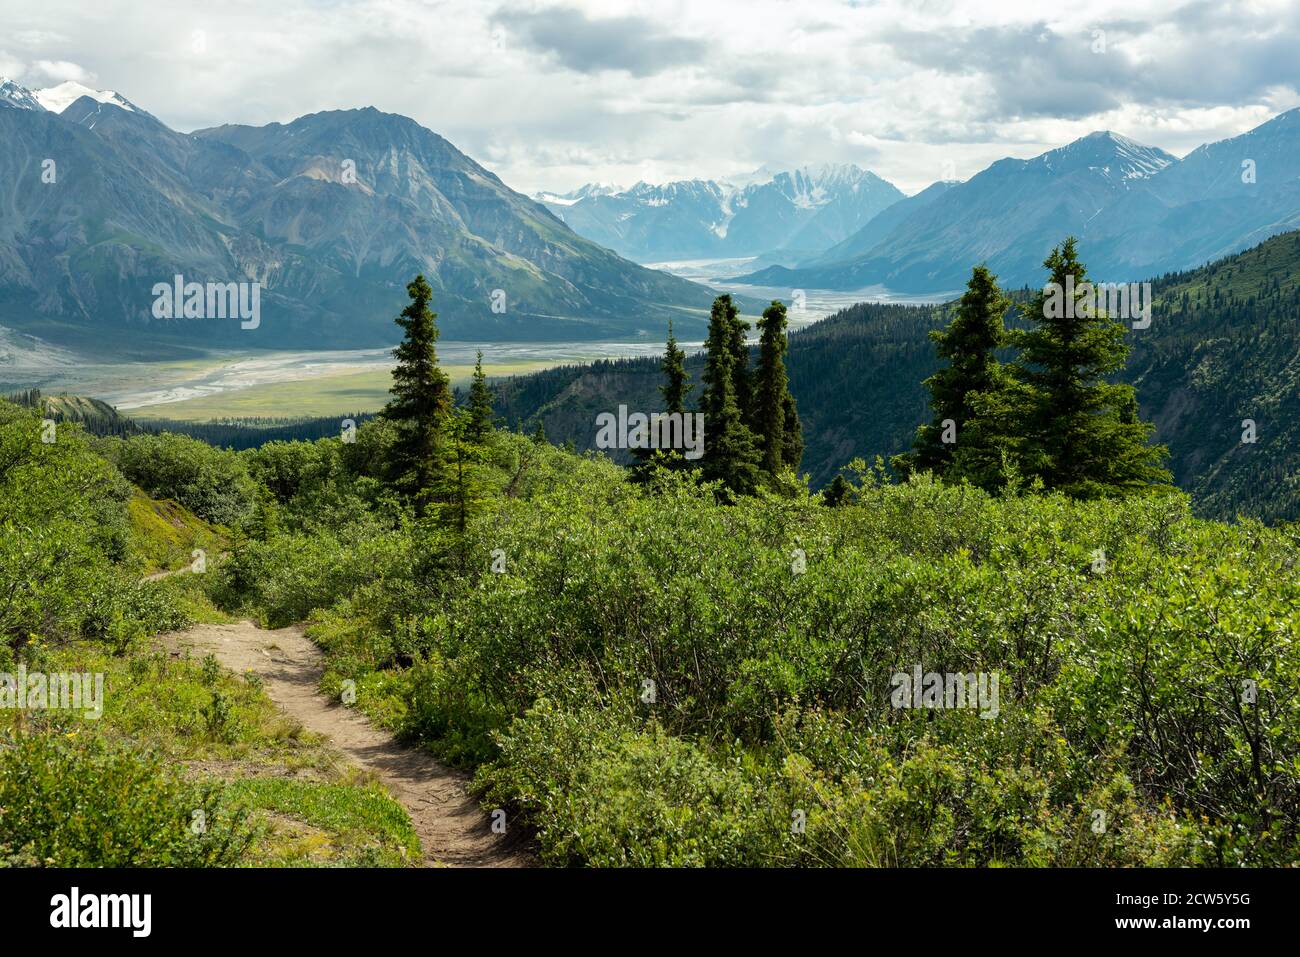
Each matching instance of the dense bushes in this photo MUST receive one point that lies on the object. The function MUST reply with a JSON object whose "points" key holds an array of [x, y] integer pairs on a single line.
{"points": [[212, 483], [650, 678], [646, 677], [79, 801], [65, 568]]}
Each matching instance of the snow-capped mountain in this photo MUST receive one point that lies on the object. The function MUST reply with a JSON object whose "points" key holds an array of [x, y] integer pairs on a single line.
{"points": [[1136, 210], [574, 195], [16, 96], [808, 209], [56, 99]]}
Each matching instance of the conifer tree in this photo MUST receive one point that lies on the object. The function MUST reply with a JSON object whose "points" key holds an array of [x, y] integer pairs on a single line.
{"points": [[792, 442], [730, 453], [1082, 434], [461, 490], [421, 400], [674, 391], [479, 426], [737, 330], [835, 494], [771, 395], [675, 387], [968, 344]]}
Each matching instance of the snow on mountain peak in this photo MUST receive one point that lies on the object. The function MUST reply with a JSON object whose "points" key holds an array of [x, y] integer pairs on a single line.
{"points": [[16, 96], [56, 99]]}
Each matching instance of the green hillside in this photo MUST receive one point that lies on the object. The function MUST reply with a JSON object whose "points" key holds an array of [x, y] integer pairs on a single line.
{"points": [[1224, 345]]}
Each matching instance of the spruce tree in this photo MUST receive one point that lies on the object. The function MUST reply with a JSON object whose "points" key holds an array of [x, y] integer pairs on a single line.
{"points": [[421, 400], [771, 396], [736, 332], [730, 453], [675, 387], [792, 442], [837, 492], [968, 345], [479, 426], [1082, 434], [674, 391], [461, 490]]}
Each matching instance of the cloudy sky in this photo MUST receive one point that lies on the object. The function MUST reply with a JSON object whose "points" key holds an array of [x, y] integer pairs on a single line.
{"points": [[551, 95]]}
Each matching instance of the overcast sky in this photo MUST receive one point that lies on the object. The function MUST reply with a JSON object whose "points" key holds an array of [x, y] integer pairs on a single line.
{"points": [[553, 95]]}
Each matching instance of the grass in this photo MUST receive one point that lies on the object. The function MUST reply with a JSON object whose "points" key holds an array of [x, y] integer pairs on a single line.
{"points": [[308, 807], [165, 534], [311, 823], [318, 396]]}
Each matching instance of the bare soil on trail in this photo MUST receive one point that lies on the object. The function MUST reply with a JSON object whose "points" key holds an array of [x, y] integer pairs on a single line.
{"points": [[453, 829]]}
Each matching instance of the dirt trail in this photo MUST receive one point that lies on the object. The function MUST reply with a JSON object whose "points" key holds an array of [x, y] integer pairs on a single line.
{"points": [[453, 828]]}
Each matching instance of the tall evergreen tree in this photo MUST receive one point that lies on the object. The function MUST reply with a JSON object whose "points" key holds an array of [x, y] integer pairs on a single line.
{"points": [[675, 387], [792, 441], [737, 330], [461, 490], [771, 396], [968, 344], [1082, 434], [730, 453], [480, 405], [674, 391], [421, 399]]}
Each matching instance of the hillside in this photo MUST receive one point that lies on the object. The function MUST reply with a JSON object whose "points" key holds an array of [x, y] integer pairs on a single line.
{"points": [[332, 214], [1224, 345]]}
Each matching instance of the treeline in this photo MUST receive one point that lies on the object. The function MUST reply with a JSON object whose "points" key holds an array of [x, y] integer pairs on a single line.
{"points": [[100, 419], [254, 432]]}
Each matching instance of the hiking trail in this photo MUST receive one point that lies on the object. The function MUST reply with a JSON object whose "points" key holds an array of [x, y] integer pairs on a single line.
{"points": [[453, 829]]}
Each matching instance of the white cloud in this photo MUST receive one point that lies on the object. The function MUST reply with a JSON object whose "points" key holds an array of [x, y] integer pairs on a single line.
{"points": [[553, 93]]}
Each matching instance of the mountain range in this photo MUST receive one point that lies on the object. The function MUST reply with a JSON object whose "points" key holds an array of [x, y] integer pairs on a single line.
{"points": [[332, 213], [1137, 209], [804, 210]]}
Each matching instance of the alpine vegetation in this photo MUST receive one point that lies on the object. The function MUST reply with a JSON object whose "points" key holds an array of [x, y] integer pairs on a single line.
{"points": [[682, 431]]}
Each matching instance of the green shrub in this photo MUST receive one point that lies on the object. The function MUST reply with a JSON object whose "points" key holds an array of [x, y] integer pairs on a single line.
{"points": [[78, 801]]}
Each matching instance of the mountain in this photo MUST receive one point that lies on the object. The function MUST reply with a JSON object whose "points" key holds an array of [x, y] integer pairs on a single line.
{"points": [[1223, 346], [56, 99], [17, 97], [1140, 211], [332, 213], [560, 200], [806, 209], [1009, 215], [1206, 206], [878, 227]]}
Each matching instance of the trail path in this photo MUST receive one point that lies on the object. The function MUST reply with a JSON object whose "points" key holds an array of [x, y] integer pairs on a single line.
{"points": [[453, 829]]}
